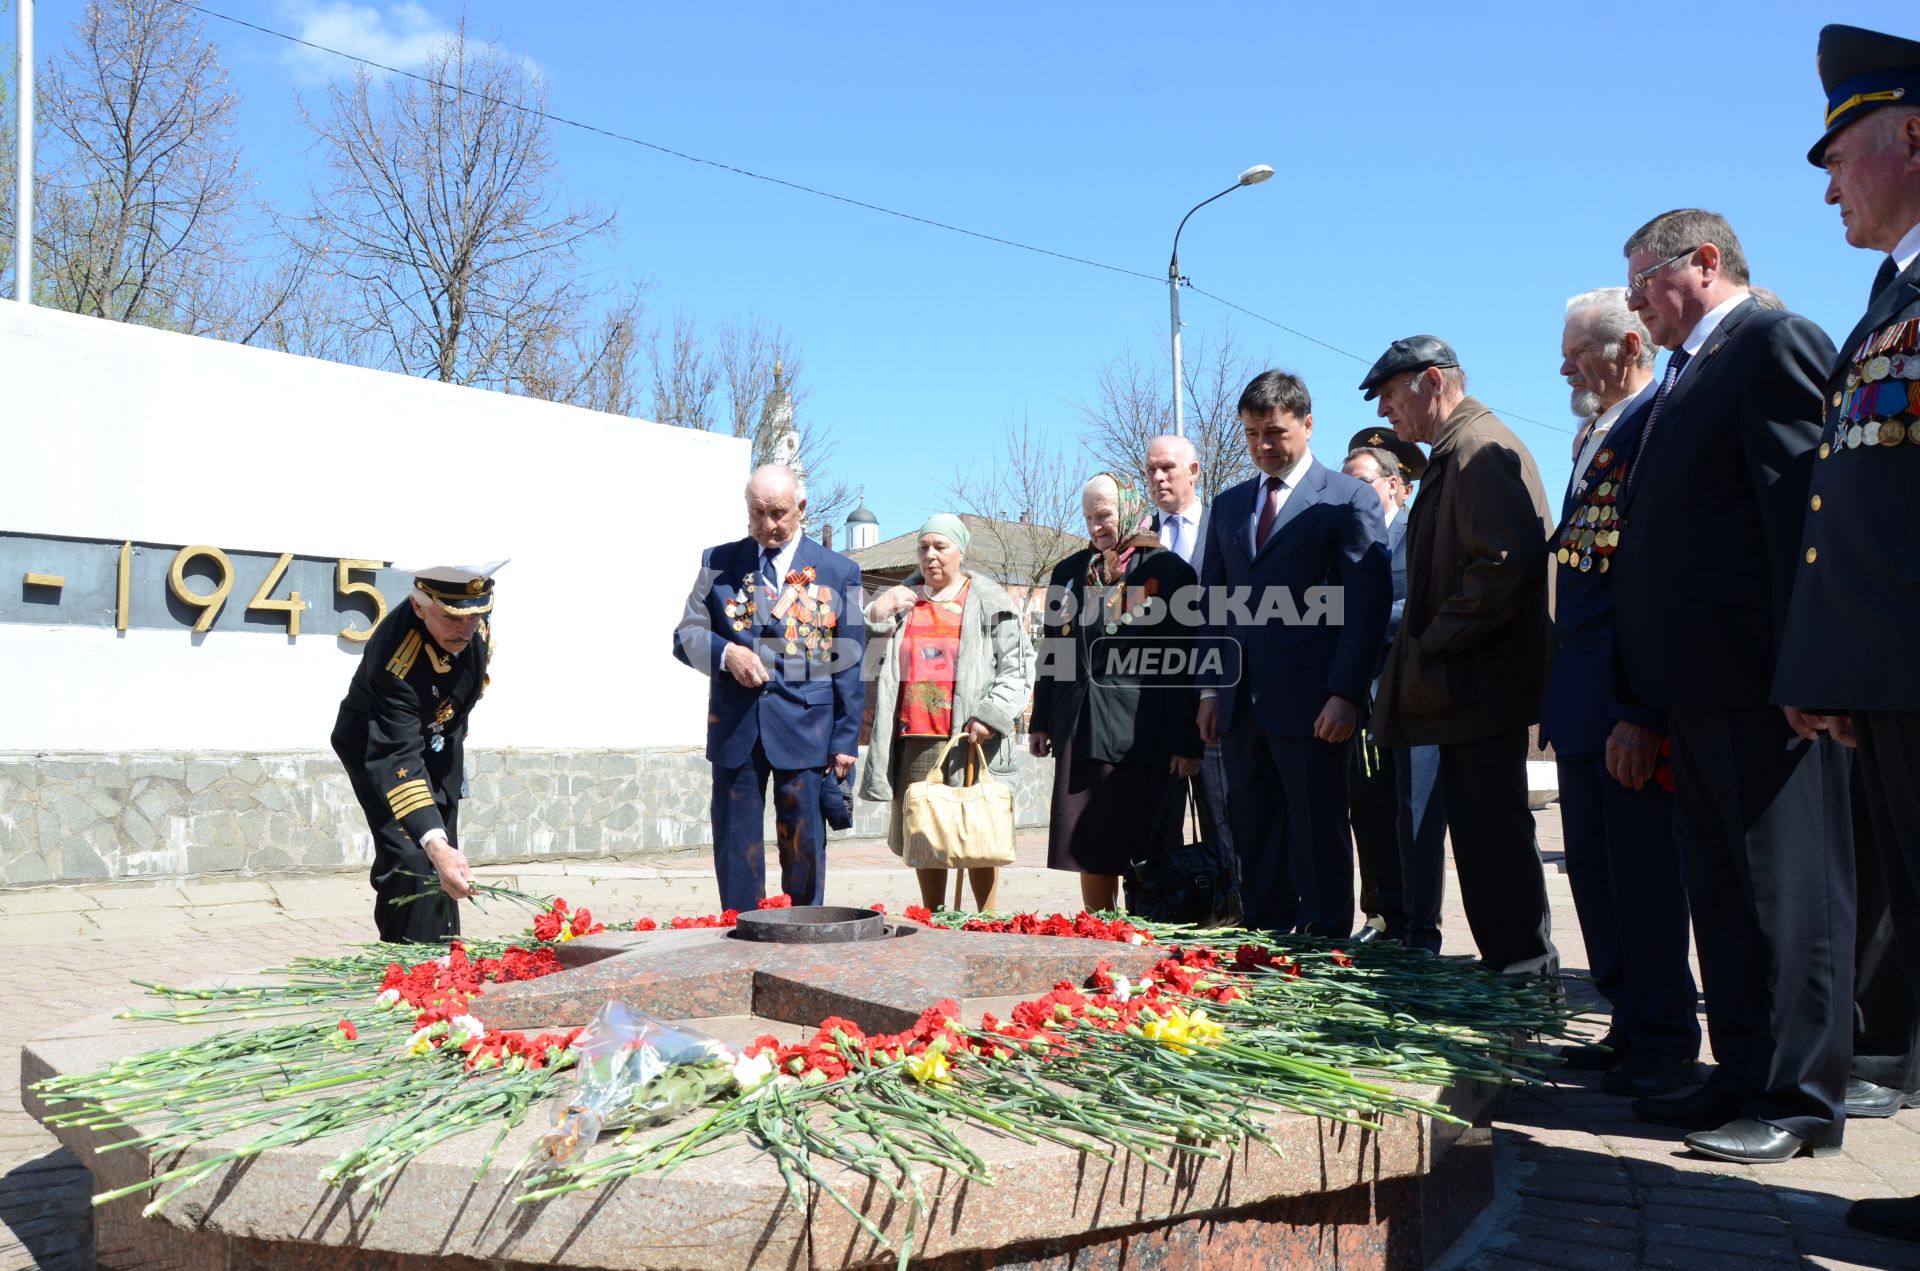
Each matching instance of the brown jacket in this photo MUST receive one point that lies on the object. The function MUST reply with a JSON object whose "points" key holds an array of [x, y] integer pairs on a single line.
{"points": [[1471, 656]]}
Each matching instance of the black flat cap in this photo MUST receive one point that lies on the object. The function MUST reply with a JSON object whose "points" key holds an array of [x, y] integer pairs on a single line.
{"points": [[1413, 463], [1861, 71], [1415, 353]]}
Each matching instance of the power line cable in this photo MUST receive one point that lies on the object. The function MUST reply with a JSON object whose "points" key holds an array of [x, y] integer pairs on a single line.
{"points": [[628, 139]]}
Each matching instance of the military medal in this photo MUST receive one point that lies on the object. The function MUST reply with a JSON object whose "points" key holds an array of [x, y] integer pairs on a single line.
{"points": [[438, 743]]}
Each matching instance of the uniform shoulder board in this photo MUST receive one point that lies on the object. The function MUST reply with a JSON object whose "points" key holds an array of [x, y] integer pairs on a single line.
{"points": [[401, 664]]}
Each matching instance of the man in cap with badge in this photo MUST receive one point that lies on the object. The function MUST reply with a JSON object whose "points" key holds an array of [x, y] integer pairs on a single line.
{"points": [[1399, 816], [1468, 665], [401, 733], [1856, 586], [774, 621], [1622, 861], [1707, 524]]}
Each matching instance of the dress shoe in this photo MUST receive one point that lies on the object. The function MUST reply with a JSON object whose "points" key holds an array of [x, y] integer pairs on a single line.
{"points": [[1898, 1217], [1644, 1073], [1864, 1099], [1752, 1142], [1370, 933], [1600, 1056], [1704, 1109]]}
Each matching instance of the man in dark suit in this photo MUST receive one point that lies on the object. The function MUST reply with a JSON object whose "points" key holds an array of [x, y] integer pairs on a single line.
{"points": [[401, 732], [1468, 665], [1710, 513], [1309, 546], [1180, 519], [1622, 861], [774, 620], [1856, 576]]}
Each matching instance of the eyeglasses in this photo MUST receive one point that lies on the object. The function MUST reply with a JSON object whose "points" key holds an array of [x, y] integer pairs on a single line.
{"points": [[1638, 283]]}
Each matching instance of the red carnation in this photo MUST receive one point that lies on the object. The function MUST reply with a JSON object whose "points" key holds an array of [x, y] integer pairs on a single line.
{"points": [[346, 1027]]}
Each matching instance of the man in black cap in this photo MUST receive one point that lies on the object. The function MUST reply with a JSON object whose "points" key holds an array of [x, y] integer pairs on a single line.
{"points": [[1468, 665], [1706, 525], [401, 733], [1856, 586], [1399, 816]]}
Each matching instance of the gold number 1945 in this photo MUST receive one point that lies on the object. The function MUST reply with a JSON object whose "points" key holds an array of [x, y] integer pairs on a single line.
{"points": [[263, 599]]}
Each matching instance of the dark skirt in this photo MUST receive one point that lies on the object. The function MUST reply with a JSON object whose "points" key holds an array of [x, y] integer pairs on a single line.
{"points": [[1104, 814]]}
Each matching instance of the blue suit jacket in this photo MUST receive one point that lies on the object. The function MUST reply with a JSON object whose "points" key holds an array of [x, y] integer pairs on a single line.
{"points": [[1329, 535], [809, 710], [1580, 709]]}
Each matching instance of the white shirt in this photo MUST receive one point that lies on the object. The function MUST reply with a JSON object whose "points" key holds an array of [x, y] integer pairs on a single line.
{"points": [[1189, 519], [1907, 249], [1603, 424], [782, 562], [1392, 510], [1708, 322], [1288, 480]]}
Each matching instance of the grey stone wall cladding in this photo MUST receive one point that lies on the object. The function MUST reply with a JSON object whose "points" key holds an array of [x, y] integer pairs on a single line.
{"points": [[91, 818]]}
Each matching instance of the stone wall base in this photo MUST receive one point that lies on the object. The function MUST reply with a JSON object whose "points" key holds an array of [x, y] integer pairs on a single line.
{"points": [[173, 816]]}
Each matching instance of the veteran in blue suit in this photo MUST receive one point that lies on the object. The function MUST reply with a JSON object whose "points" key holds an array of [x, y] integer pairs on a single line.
{"points": [[1856, 581], [774, 621], [1622, 858], [1306, 548]]}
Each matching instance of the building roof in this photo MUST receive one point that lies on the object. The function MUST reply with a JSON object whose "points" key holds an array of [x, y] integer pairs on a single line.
{"points": [[862, 516], [1010, 551]]}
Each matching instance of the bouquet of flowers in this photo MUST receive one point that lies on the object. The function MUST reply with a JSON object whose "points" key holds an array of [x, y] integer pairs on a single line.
{"points": [[635, 1069]]}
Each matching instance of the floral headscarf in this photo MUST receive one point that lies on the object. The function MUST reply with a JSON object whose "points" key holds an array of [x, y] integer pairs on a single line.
{"points": [[1135, 518]]}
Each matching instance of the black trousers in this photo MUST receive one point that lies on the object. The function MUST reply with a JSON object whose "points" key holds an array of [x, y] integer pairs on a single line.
{"points": [[1624, 867], [1887, 1021], [1289, 814], [1502, 885], [1764, 828], [1373, 806], [401, 869]]}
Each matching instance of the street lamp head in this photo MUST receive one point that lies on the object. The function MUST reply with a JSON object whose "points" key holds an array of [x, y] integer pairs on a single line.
{"points": [[1256, 174]]}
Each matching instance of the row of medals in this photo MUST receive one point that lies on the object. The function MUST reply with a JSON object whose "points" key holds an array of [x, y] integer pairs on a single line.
{"points": [[1593, 531], [817, 641], [1880, 385]]}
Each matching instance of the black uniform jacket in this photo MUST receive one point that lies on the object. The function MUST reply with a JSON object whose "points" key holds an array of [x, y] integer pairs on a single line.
{"points": [[1856, 588], [402, 729]]}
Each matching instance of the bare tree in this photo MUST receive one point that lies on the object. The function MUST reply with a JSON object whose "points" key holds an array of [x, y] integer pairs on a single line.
{"points": [[140, 178], [751, 354], [684, 375], [1131, 404], [1026, 501], [442, 217], [595, 363]]}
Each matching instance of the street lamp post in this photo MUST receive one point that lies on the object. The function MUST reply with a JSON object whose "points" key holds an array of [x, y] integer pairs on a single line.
{"points": [[1252, 176]]}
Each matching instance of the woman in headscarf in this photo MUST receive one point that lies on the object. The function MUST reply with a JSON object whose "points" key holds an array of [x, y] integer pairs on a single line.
{"points": [[1115, 700], [954, 658]]}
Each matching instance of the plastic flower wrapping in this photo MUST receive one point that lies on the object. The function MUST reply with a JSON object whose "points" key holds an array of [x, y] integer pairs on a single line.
{"points": [[636, 1069]]}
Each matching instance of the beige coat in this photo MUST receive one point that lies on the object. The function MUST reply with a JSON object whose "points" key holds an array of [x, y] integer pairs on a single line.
{"points": [[991, 679], [1475, 642]]}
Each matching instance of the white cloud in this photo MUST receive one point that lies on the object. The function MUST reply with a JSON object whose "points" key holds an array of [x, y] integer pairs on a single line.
{"points": [[402, 37]]}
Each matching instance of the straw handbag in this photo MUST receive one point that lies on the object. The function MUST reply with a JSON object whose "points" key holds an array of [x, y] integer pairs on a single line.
{"points": [[959, 827]]}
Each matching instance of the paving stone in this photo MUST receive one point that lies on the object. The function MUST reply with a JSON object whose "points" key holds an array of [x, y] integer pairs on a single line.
{"points": [[1566, 1255], [46, 900], [1774, 1245]]}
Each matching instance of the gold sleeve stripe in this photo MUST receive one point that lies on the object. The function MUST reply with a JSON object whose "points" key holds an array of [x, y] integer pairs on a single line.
{"points": [[411, 794], [419, 783], [411, 804], [404, 656]]}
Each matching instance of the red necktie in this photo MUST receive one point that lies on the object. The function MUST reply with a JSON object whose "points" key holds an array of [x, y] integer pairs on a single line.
{"points": [[1269, 511]]}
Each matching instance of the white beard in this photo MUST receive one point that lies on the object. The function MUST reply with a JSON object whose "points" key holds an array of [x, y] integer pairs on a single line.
{"points": [[1586, 403]]}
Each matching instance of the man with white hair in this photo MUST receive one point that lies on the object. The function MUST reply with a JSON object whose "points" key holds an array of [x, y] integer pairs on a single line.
{"points": [[1622, 860], [401, 733], [1173, 479], [774, 621]]}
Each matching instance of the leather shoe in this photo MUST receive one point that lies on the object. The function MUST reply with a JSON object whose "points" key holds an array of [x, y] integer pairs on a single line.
{"points": [[1865, 1099], [1898, 1217], [1370, 933], [1704, 1109], [1600, 1056], [1752, 1142], [1644, 1073]]}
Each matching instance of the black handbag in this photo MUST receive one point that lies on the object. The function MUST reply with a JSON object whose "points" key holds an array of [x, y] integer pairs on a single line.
{"points": [[1184, 880]]}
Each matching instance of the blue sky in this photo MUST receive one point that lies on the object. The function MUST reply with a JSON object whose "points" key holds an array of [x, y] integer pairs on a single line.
{"points": [[1460, 171]]}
